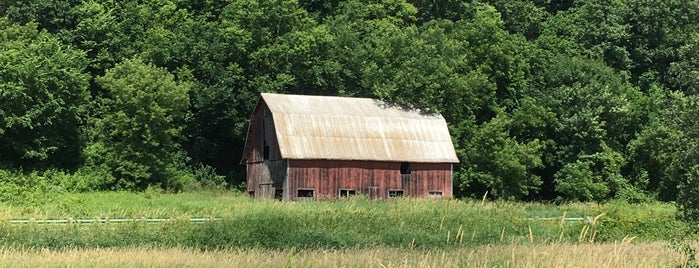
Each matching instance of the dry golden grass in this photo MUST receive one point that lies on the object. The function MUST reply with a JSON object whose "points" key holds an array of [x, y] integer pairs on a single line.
{"points": [[622, 254]]}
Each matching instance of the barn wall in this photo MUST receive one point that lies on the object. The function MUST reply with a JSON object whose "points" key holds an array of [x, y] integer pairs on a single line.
{"points": [[432, 177], [261, 132], [372, 178], [267, 179]]}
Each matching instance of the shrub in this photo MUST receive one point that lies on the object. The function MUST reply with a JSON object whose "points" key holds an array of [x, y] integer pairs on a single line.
{"points": [[22, 188], [207, 178], [688, 198]]}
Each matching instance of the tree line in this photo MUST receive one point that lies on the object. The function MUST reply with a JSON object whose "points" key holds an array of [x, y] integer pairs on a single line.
{"points": [[546, 100]]}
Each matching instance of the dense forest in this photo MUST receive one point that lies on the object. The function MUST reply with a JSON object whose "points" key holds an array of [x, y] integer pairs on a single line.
{"points": [[546, 100]]}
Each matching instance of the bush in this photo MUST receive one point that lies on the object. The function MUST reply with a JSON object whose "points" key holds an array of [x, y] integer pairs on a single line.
{"points": [[688, 198], [22, 188], [643, 221], [39, 187], [207, 178]]}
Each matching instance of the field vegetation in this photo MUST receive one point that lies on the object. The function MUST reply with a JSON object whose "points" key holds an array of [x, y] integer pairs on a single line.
{"points": [[351, 232], [240, 222], [622, 254]]}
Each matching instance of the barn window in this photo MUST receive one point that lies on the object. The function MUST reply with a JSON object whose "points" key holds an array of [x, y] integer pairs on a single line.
{"points": [[395, 193], [265, 144], [278, 193], [265, 152], [405, 168], [434, 193], [305, 194], [347, 192]]}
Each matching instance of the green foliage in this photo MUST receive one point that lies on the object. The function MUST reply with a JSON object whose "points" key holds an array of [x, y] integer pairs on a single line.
{"points": [[685, 153], [688, 200], [593, 177], [40, 187], [137, 130], [684, 73], [42, 98], [577, 182], [503, 166], [355, 223], [521, 17], [22, 189], [545, 100], [207, 178]]}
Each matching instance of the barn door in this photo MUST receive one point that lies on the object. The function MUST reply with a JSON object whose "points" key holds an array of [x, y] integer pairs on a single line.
{"points": [[265, 190], [408, 182]]}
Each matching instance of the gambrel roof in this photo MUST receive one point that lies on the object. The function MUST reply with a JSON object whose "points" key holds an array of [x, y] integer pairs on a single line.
{"points": [[342, 128]]}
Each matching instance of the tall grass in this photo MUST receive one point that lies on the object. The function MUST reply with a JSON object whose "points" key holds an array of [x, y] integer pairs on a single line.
{"points": [[354, 223], [619, 254]]}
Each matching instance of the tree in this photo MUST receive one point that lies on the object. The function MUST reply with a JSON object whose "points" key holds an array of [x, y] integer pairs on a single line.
{"points": [[521, 17], [452, 10], [598, 114], [42, 98], [137, 132], [685, 72], [57, 17], [493, 161], [684, 164], [652, 152], [658, 29]]}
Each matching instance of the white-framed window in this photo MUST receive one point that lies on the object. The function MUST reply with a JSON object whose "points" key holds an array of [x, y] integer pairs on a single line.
{"points": [[305, 194], [395, 193], [348, 192], [435, 193]]}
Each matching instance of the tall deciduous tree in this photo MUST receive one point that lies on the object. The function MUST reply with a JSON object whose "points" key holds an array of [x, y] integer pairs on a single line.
{"points": [[137, 132], [684, 74], [682, 116], [42, 98]]}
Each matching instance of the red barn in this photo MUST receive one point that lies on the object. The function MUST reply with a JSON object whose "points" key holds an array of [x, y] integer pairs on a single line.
{"points": [[318, 147]]}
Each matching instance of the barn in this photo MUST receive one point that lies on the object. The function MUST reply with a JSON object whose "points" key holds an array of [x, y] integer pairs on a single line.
{"points": [[319, 147]]}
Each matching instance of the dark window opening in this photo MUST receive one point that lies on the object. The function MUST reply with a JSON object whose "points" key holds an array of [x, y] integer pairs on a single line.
{"points": [[347, 192], [278, 194], [265, 152], [395, 193], [405, 168], [265, 144], [434, 193], [251, 193], [303, 194]]}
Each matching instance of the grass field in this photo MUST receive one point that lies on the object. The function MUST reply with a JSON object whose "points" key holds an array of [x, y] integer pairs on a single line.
{"points": [[622, 254], [355, 232]]}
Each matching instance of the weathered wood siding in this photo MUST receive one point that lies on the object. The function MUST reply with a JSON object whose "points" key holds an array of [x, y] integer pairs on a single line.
{"points": [[267, 179], [265, 176], [270, 176], [373, 178], [262, 132]]}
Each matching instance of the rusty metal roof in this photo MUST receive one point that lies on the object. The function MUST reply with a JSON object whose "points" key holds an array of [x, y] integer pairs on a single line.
{"points": [[321, 127]]}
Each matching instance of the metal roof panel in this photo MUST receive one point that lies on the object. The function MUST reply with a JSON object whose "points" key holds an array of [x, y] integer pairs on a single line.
{"points": [[322, 127]]}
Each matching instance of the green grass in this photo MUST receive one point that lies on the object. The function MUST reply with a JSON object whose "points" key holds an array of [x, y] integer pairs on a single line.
{"points": [[355, 223]]}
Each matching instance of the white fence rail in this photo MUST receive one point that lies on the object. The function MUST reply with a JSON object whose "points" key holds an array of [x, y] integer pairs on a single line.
{"points": [[105, 220]]}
